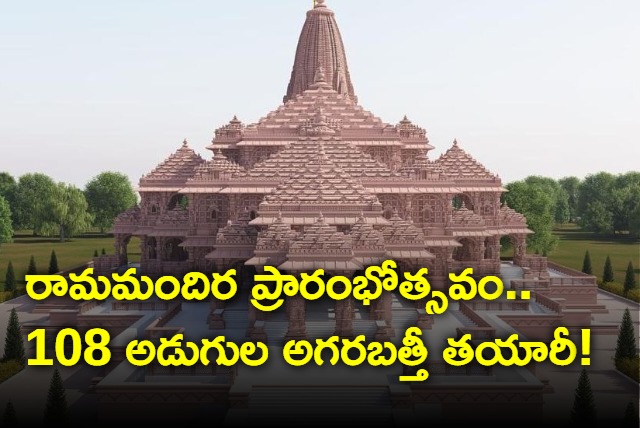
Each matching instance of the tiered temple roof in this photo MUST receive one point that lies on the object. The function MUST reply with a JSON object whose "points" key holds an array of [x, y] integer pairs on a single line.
{"points": [[237, 240], [215, 169], [319, 185], [467, 223], [320, 152], [176, 169], [459, 164], [404, 240], [321, 246]]}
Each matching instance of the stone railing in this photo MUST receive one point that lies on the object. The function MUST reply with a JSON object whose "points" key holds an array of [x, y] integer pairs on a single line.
{"points": [[585, 281], [482, 329], [548, 302], [499, 305], [530, 284], [157, 329], [137, 305], [566, 270]]}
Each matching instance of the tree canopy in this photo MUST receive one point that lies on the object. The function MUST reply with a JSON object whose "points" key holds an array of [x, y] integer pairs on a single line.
{"points": [[109, 194], [583, 412], [68, 212], [13, 342], [6, 229], [31, 201], [7, 185], [571, 187], [56, 411], [609, 203], [536, 199]]}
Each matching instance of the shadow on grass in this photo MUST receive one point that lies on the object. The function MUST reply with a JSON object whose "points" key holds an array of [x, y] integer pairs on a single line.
{"points": [[604, 239]]}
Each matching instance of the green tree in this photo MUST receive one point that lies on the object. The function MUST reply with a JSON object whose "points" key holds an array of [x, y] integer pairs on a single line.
{"points": [[13, 342], [56, 412], [630, 419], [626, 345], [9, 418], [53, 263], [597, 218], [560, 198], [608, 203], [7, 185], [607, 272], [6, 228], [68, 213], [533, 199], [626, 200], [95, 253], [32, 270], [634, 222], [571, 186], [583, 412], [103, 252], [30, 205], [109, 194], [586, 264], [10, 278], [629, 279]]}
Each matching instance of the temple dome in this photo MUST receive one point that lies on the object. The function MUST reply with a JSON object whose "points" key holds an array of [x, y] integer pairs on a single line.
{"points": [[320, 47]]}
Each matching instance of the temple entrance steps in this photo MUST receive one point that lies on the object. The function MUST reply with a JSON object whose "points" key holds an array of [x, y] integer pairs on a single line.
{"points": [[509, 271], [236, 318], [465, 320], [321, 403]]}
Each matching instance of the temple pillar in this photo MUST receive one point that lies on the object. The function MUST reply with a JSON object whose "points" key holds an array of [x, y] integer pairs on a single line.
{"points": [[519, 248], [255, 329], [296, 312], [381, 313], [344, 312], [121, 248]]}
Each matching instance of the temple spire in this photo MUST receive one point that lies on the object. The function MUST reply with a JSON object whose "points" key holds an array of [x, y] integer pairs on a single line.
{"points": [[320, 47]]}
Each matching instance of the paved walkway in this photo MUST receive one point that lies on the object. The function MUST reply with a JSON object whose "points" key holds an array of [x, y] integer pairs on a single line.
{"points": [[612, 390]]}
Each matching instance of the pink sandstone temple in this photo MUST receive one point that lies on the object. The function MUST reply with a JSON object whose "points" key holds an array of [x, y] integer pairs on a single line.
{"points": [[320, 182]]}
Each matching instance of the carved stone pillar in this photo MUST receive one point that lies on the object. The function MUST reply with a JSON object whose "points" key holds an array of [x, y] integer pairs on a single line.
{"points": [[255, 330], [383, 317], [296, 312], [121, 249], [344, 318], [519, 248]]}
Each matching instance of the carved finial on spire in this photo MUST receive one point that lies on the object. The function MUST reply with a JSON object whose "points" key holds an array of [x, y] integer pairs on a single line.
{"points": [[185, 143], [318, 3], [455, 142]]}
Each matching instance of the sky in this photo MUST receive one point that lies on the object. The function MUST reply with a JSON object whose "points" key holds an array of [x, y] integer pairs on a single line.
{"points": [[547, 87]]}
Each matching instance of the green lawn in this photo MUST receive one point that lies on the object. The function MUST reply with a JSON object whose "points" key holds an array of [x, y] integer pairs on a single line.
{"points": [[72, 253], [574, 242]]}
